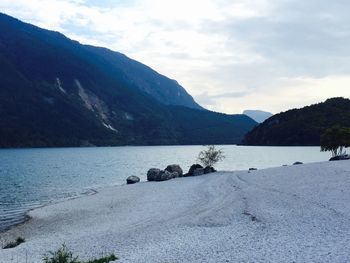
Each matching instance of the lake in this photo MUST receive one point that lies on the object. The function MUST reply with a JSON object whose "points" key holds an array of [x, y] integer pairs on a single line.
{"points": [[30, 178]]}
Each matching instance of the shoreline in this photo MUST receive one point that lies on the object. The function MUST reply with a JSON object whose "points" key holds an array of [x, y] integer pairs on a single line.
{"points": [[93, 190], [274, 213], [27, 216]]}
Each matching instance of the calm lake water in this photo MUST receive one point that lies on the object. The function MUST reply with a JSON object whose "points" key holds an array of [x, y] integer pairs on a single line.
{"points": [[30, 178]]}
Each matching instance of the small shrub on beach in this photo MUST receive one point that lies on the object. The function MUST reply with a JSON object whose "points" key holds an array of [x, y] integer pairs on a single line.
{"points": [[210, 156], [12, 244], [63, 255]]}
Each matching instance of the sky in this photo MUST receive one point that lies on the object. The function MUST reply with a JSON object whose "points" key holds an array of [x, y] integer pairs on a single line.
{"points": [[230, 55]]}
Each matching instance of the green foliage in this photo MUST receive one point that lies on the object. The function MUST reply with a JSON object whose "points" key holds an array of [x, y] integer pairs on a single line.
{"points": [[12, 244], [63, 255], [335, 139], [301, 126], [210, 156], [20, 240]]}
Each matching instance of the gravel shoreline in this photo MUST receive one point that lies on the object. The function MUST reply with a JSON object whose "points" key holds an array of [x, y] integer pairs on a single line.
{"points": [[286, 214], [27, 216]]}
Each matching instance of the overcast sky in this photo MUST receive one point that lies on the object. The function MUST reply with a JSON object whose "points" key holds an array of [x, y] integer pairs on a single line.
{"points": [[231, 55]]}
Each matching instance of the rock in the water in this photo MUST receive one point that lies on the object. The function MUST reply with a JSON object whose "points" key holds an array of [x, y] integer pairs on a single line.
{"points": [[253, 169], [152, 174], [198, 171], [175, 168], [132, 179], [297, 163], [209, 169], [192, 168]]}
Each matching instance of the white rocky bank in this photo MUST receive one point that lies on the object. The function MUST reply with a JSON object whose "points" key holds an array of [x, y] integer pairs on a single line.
{"points": [[287, 214]]}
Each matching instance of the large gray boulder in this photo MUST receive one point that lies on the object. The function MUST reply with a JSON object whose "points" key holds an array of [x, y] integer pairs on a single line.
{"points": [[132, 179], [198, 171], [192, 168], [165, 175], [209, 169], [175, 168], [152, 174]]}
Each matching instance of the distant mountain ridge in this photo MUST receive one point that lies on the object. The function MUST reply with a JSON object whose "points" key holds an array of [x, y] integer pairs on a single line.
{"points": [[57, 92], [258, 115], [301, 127]]}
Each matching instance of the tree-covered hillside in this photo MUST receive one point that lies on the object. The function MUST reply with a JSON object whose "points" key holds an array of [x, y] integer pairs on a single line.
{"points": [[301, 126], [57, 92]]}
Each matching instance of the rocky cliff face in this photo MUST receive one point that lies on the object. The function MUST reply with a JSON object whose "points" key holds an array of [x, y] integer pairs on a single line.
{"points": [[57, 92]]}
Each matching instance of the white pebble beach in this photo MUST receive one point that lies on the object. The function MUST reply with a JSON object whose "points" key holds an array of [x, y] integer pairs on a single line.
{"points": [[296, 213]]}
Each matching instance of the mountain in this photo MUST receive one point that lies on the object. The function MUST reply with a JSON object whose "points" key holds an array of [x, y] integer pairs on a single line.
{"points": [[258, 115], [301, 126], [142, 77], [57, 92]]}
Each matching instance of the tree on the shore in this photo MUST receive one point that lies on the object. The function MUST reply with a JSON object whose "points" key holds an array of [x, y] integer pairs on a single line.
{"points": [[335, 140], [210, 156]]}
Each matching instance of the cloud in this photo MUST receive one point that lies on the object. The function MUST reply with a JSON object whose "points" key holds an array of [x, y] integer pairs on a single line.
{"points": [[231, 55], [211, 101]]}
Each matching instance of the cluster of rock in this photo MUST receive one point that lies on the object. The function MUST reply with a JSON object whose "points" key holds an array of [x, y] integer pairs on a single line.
{"points": [[170, 172], [174, 171]]}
